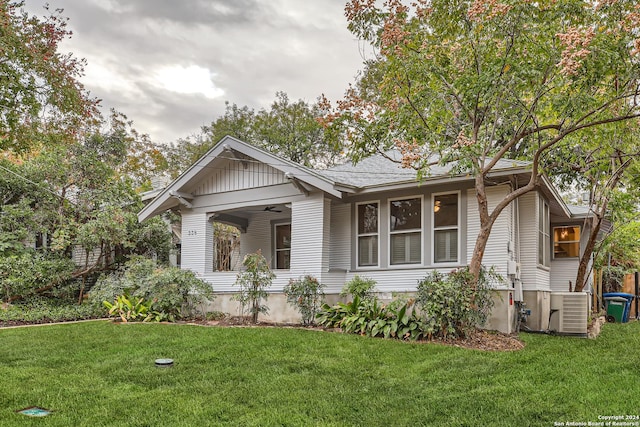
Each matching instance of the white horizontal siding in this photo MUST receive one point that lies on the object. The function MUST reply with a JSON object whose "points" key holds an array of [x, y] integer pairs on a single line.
{"points": [[197, 243], [340, 246], [528, 245], [563, 271], [496, 253], [308, 235], [258, 237], [234, 175]]}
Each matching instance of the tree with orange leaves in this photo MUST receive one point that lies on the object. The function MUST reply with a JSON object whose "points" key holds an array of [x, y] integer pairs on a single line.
{"points": [[41, 98], [476, 81]]}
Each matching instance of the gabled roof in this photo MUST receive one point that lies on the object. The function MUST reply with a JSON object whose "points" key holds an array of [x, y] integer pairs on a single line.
{"points": [[372, 174], [228, 147]]}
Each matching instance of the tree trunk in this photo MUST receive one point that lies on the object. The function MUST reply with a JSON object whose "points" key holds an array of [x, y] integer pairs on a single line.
{"points": [[486, 223], [581, 276]]}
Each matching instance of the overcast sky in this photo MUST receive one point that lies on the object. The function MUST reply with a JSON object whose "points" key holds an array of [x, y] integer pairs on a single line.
{"points": [[170, 65]]}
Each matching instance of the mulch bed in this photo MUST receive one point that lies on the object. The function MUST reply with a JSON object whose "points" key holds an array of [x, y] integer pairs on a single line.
{"points": [[478, 340]]}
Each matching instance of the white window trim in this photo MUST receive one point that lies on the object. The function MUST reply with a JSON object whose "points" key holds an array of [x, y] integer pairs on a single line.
{"points": [[433, 229], [275, 245], [358, 235], [553, 243], [390, 233], [546, 248]]}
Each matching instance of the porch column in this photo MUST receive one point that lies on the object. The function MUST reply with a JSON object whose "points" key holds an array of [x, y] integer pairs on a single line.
{"points": [[197, 243], [310, 220]]}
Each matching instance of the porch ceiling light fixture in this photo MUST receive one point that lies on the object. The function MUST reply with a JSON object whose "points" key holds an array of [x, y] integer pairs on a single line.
{"points": [[297, 183]]}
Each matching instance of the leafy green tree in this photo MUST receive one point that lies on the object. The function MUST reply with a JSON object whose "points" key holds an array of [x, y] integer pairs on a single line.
{"points": [[40, 96], [75, 196], [606, 172], [290, 129], [473, 82]]}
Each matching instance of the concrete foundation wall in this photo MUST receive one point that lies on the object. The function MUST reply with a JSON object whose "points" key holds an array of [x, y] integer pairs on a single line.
{"points": [[502, 318], [279, 310], [539, 302]]}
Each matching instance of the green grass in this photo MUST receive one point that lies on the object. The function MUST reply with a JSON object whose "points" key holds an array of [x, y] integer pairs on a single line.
{"points": [[103, 374]]}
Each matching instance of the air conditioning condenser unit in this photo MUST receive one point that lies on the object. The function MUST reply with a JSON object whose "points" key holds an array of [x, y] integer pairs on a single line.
{"points": [[569, 313]]}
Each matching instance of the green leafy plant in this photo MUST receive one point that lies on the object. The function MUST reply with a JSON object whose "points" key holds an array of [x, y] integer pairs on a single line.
{"points": [[172, 293], [369, 317], [361, 287], [253, 283], [47, 310], [306, 296], [130, 309], [455, 304], [29, 273]]}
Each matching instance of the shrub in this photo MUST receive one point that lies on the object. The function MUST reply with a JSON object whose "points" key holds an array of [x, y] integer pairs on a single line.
{"points": [[453, 305], [28, 273], [368, 317], [171, 292], [254, 282], [306, 296], [360, 287], [47, 310]]}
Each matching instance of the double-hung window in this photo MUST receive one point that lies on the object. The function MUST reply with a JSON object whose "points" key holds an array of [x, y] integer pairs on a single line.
{"points": [[566, 241], [544, 237], [445, 228], [283, 246], [405, 231], [368, 234]]}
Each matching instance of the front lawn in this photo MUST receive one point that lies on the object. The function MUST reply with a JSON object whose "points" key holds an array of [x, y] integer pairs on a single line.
{"points": [[103, 374]]}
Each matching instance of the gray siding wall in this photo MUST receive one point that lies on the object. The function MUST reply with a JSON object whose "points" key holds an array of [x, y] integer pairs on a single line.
{"points": [[257, 237], [564, 270], [497, 251], [340, 235], [534, 276], [231, 175], [310, 235], [528, 245], [197, 243]]}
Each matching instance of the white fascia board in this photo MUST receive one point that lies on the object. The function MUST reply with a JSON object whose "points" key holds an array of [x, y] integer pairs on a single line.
{"points": [[556, 195], [160, 203]]}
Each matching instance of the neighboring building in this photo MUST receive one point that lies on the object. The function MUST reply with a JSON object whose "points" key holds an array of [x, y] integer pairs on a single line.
{"points": [[372, 219]]}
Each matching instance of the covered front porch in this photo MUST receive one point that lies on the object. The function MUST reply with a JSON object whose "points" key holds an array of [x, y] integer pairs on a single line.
{"points": [[291, 233]]}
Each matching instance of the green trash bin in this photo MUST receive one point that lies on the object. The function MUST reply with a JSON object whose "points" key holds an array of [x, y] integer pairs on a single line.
{"points": [[615, 308]]}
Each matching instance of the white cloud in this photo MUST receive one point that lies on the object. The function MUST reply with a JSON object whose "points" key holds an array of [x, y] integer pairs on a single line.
{"points": [[187, 80]]}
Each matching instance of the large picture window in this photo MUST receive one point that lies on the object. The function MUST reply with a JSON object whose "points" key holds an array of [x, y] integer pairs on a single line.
{"points": [[283, 246], [405, 230], [544, 237], [445, 228], [368, 234], [566, 242]]}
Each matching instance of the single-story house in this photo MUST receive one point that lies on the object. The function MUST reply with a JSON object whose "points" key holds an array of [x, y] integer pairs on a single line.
{"points": [[375, 219]]}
